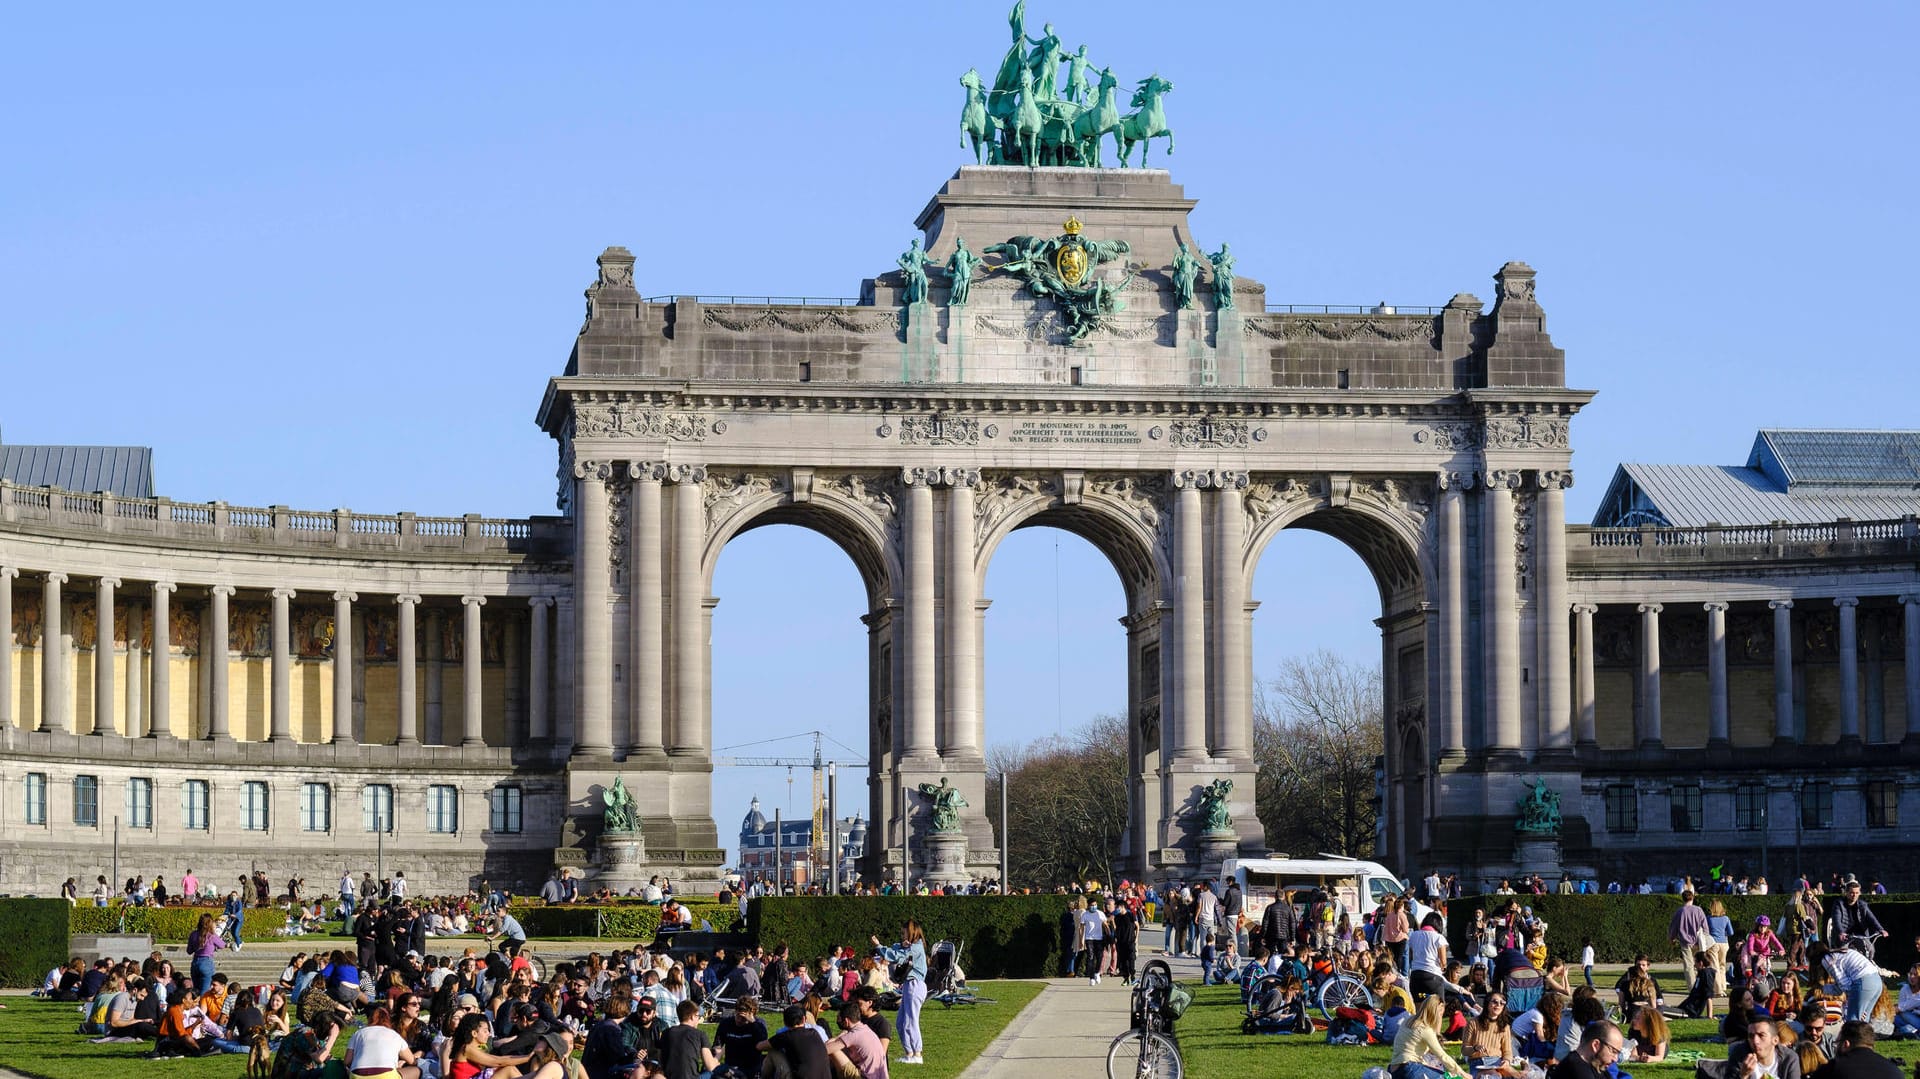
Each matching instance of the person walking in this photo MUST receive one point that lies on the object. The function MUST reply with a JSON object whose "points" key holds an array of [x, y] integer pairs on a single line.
{"points": [[236, 912], [1688, 930], [201, 944], [1093, 923]]}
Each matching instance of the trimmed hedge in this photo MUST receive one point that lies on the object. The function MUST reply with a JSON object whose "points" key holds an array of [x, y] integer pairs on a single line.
{"points": [[619, 921], [1000, 936], [1622, 926], [35, 940], [170, 924]]}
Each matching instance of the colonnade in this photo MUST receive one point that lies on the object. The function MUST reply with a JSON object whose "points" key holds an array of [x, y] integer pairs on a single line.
{"points": [[152, 696], [1650, 732]]}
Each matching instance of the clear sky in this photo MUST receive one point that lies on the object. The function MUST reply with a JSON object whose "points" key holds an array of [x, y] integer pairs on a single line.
{"points": [[329, 256]]}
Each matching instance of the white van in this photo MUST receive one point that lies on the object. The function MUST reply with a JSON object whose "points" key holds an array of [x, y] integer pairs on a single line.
{"points": [[1358, 885]]}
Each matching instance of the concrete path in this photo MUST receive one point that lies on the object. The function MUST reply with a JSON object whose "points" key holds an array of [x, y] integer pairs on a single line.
{"points": [[1066, 1031]]}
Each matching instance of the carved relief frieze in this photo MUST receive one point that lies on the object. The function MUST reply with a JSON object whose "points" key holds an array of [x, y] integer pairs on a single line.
{"points": [[1142, 497], [620, 419], [1266, 497], [939, 430], [1297, 328], [832, 321], [1003, 494], [26, 618], [1209, 433], [616, 525], [183, 628], [1525, 432], [1447, 437], [727, 492], [1523, 504]]}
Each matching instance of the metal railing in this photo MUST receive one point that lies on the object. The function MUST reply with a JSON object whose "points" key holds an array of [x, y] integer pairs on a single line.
{"points": [[191, 522], [1349, 309], [759, 301]]}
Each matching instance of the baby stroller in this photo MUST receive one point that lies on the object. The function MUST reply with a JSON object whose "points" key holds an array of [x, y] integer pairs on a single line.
{"points": [[946, 981]]}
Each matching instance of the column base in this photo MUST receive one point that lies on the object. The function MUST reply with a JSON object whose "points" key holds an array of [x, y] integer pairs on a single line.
{"points": [[406, 743], [592, 753], [469, 743], [1781, 741]]}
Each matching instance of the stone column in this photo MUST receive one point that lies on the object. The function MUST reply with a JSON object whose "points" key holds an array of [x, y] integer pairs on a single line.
{"points": [[411, 729], [1453, 611], [1550, 576], [103, 655], [1782, 670], [433, 722], [1650, 735], [1583, 687], [592, 577], [53, 659], [136, 685], [219, 727], [1911, 670], [539, 680], [160, 681], [962, 736], [1189, 691], [646, 686], [280, 710], [471, 734], [1717, 721], [1849, 668], [688, 737], [1499, 613], [1235, 696], [922, 660], [7, 574], [343, 667]]}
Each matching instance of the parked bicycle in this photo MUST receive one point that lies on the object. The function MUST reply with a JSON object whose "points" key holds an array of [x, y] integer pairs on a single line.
{"points": [[1148, 1051]]}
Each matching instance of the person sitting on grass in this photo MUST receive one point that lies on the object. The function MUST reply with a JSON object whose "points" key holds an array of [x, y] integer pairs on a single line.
{"points": [[1534, 1029], [855, 1052], [1282, 1009], [797, 1050], [305, 1053], [1636, 988], [468, 1057], [136, 1014], [1417, 1052], [1741, 1012], [1585, 1007], [1762, 1054], [1857, 1058], [1487, 1043], [1650, 1035], [181, 1031]]}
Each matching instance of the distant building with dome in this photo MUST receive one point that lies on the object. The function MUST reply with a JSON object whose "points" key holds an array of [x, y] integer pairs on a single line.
{"points": [[795, 846]]}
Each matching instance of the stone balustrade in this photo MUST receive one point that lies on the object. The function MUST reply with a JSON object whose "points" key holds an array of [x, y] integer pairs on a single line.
{"points": [[1597, 547], [162, 520]]}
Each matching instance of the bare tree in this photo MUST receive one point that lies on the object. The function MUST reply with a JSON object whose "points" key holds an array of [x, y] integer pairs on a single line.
{"points": [[1066, 805], [1317, 733]]}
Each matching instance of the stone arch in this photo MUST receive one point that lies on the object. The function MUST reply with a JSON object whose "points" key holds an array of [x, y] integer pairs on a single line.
{"points": [[1121, 515], [742, 502], [1384, 521]]}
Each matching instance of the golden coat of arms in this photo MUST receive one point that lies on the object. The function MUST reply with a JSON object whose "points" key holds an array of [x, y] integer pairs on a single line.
{"points": [[1070, 260]]}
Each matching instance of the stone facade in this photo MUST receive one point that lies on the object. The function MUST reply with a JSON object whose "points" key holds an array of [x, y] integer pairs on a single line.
{"points": [[556, 654]]}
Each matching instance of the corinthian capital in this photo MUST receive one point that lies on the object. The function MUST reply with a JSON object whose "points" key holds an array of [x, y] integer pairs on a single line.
{"points": [[1453, 481], [588, 469], [648, 471], [687, 473], [1501, 478]]}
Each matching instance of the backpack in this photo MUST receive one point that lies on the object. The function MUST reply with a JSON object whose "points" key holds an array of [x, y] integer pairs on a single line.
{"points": [[1352, 1026]]}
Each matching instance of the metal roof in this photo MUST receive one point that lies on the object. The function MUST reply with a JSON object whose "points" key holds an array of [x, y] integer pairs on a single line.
{"points": [[125, 471], [1686, 496], [1836, 458]]}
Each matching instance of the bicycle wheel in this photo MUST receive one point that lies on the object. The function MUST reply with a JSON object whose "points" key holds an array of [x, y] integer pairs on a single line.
{"points": [[1343, 991], [1138, 1055]]}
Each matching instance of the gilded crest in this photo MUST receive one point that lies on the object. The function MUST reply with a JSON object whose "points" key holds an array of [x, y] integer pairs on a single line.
{"points": [[1071, 263]]}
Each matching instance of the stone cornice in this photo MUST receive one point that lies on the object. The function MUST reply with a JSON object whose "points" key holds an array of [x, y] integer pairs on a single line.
{"points": [[1143, 402]]}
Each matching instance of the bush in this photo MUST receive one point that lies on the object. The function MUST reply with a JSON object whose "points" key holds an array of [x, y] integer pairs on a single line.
{"points": [[35, 940], [170, 924], [1622, 926], [618, 921], [1016, 936]]}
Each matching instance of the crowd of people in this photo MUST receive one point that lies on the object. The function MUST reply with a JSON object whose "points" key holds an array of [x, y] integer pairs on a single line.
{"points": [[407, 1014]]}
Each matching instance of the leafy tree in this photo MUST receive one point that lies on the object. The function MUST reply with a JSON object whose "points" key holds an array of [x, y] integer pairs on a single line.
{"points": [[1066, 805], [1317, 736]]}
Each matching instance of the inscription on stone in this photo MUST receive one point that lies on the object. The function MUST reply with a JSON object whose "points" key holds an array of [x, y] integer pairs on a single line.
{"points": [[1074, 433]]}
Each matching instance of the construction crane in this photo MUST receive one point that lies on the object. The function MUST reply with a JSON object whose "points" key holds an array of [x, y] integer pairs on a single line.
{"points": [[822, 848]]}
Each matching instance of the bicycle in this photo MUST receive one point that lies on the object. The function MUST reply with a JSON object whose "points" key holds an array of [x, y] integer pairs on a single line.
{"points": [[1148, 1051]]}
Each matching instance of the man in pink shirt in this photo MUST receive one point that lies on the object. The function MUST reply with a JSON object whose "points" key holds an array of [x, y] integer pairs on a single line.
{"points": [[190, 887], [857, 1046]]}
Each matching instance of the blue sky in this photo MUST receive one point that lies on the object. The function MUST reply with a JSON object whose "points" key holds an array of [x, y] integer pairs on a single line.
{"points": [[329, 256]]}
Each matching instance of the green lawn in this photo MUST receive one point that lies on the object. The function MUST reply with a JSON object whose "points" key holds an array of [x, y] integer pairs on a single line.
{"points": [[38, 1038], [1212, 1046]]}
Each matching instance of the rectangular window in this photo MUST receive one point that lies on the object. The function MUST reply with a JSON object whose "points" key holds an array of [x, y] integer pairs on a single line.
{"points": [[1883, 803], [376, 807], [253, 806], [1816, 804], [194, 798], [443, 810], [36, 797], [1750, 807], [1685, 802], [139, 803], [316, 807], [506, 809], [1623, 808], [86, 801]]}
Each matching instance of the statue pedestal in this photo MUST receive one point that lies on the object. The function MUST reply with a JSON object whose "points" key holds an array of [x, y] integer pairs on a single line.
{"points": [[1538, 854], [1190, 338], [623, 862], [1215, 849], [946, 858], [920, 356]]}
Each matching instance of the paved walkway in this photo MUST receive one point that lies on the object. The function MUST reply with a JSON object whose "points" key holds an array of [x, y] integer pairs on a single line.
{"points": [[1066, 1031]]}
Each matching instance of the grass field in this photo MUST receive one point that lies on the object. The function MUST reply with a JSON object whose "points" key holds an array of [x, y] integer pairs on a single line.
{"points": [[1211, 1046], [37, 1039]]}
